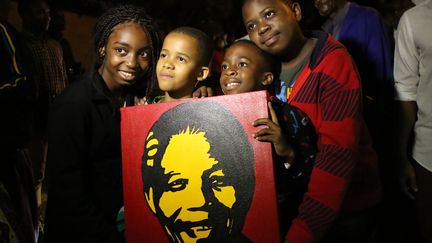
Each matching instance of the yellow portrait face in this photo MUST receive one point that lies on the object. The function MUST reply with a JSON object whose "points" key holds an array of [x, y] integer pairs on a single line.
{"points": [[193, 174], [198, 179]]}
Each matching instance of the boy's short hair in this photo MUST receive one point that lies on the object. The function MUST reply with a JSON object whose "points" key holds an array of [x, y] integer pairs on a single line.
{"points": [[205, 43], [272, 63]]}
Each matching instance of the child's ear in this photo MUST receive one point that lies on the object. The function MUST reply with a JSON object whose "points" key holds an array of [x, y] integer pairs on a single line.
{"points": [[268, 79], [203, 74], [297, 11]]}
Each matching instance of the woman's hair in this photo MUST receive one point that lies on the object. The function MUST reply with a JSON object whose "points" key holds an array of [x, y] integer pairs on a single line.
{"points": [[124, 14]]}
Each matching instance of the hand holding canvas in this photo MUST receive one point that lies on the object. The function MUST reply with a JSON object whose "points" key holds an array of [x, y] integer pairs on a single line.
{"points": [[273, 133]]}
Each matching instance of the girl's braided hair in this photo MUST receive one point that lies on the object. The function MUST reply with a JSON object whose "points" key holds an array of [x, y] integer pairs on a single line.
{"points": [[124, 14]]}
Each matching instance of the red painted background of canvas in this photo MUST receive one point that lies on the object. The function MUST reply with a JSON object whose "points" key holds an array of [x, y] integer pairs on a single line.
{"points": [[141, 225]]}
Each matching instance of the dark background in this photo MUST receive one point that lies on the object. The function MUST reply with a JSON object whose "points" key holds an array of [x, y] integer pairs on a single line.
{"points": [[169, 13], [174, 13]]}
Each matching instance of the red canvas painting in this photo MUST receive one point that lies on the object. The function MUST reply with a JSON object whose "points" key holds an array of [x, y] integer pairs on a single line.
{"points": [[193, 172]]}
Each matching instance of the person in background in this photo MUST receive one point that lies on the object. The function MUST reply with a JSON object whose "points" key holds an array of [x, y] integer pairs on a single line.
{"points": [[55, 30], [216, 31], [369, 41], [44, 59], [84, 169], [413, 85], [18, 208], [363, 32], [320, 78]]}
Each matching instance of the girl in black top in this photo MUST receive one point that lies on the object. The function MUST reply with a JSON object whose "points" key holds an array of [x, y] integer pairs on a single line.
{"points": [[84, 180]]}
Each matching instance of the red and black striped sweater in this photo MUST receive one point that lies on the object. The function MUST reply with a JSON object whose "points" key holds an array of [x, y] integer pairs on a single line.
{"points": [[345, 173]]}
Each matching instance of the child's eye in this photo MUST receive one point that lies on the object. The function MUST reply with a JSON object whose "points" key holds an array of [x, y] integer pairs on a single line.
{"points": [[269, 14], [250, 27], [181, 59], [243, 64], [224, 66], [144, 54], [163, 55], [120, 51]]}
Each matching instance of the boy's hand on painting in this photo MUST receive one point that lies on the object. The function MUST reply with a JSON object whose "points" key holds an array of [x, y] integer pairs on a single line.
{"points": [[273, 133], [202, 91]]}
